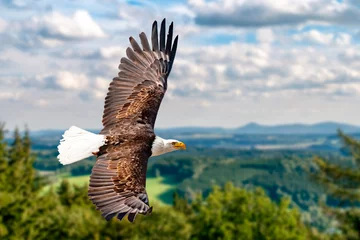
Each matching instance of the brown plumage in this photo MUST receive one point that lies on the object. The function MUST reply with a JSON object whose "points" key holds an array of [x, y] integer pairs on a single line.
{"points": [[118, 179]]}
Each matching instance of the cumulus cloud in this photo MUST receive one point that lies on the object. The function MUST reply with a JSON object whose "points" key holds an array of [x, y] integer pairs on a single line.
{"points": [[100, 87], [317, 37], [265, 35], [71, 81], [7, 95], [350, 55], [61, 80], [78, 26], [3, 25], [17, 4], [98, 53], [314, 36], [259, 13], [51, 30], [343, 39], [244, 70]]}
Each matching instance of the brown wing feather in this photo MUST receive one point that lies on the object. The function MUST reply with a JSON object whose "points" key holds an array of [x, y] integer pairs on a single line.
{"points": [[141, 82], [117, 182]]}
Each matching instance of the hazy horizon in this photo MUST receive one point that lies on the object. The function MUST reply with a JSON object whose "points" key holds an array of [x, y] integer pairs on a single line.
{"points": [[199, 127]]}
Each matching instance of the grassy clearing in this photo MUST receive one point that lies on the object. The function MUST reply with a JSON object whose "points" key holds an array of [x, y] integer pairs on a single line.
{"points": [[159, 189]]}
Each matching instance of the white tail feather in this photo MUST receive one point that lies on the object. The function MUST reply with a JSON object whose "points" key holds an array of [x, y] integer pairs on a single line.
{"points": [[78, 144]]}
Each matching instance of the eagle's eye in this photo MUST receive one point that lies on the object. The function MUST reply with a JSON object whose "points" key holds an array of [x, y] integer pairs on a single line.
{"points": [[173, 143]]}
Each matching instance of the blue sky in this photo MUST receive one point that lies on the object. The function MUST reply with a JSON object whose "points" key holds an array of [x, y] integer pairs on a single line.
{"points": [[239, 61]]}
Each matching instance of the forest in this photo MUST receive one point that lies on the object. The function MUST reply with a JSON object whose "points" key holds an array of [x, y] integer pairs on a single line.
{"points": [[216, 194]]}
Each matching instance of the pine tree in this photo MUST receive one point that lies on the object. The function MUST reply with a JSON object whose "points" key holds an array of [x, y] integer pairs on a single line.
{"points": [[3, 156], [343, 183], [20, 164], [19, 186], [65, 193], [3, 178]]}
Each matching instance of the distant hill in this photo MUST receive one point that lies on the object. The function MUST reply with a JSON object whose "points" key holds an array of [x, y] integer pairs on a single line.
{"points": [[318, 128], [327, 128]]}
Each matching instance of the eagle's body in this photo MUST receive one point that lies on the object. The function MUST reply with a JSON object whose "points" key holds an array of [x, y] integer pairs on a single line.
{"points": [[124, 145]]}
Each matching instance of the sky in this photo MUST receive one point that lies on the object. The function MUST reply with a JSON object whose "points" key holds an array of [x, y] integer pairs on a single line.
{"points": [[270, 62]]}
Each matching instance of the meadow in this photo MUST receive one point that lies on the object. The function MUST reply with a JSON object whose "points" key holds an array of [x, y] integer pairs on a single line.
{"points": [[160, 189]]}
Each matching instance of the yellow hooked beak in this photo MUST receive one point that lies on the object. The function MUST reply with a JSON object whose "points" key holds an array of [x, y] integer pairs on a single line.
{"points": [[180, 145]]}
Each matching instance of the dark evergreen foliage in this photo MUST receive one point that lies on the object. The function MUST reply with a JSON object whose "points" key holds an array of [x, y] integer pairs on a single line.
{"points": [[342, 183]]}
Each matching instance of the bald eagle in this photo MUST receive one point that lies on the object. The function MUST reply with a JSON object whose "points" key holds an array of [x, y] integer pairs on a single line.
{"points": [[127, 140]]}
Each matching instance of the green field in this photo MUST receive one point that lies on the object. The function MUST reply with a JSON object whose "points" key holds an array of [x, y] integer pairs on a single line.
{"points": [[159, 189]]}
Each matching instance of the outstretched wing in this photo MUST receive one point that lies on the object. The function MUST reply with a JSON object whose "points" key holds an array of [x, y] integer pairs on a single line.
{"points": [[136, 93], [117, 182]]}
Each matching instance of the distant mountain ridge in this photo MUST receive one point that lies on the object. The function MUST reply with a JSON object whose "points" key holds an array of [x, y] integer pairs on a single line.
{"points": [[250, 128], [298, 128]]}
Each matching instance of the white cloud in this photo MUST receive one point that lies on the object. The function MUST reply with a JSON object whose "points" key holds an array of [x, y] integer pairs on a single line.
{"points": [[102, 83], [79, 26], [314, 36], [350, 55], [51, 43], [100, 87], [53, 29], [42, 102], [61, 80], [3, 25], [18, 4], [317, 37], [343, 88], [265, 35], [343, 39], [249, 71], [110, 52], [257, 13], [71, 81], [10, 95]]}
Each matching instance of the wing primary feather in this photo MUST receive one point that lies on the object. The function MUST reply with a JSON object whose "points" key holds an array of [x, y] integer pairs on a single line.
{"points": [[169, 40], [136, 58], [144, 42], [126, 64], [131, 216], [101, 203], [115, 207], [173, 53], [135, 45], [137, 48], [120, 216], [108, 217], [162, 35], [154, 39], [146, 47]]}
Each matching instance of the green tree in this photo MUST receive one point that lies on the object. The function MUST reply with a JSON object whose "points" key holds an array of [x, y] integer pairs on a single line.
{"points": [[343, 183], [235, 213], [3, 154], [19, 186], [3, 178], [163, 223]]}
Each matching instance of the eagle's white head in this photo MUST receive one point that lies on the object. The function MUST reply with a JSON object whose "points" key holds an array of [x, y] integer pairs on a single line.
{"points": [[161, 146]]}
